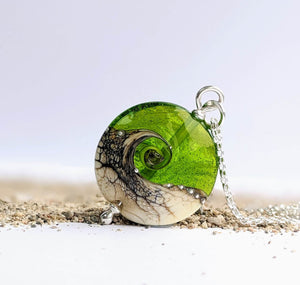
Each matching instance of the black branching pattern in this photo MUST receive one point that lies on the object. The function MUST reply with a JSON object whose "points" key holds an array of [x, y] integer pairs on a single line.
{"points": [[116, 151]]}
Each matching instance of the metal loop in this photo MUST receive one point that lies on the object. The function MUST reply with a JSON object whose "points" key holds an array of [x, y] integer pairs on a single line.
{"points": [[212, 105], [206, 89]]}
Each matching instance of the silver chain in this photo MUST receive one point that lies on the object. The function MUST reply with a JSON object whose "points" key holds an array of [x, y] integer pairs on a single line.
{"points": [[278, 214], [282, 214]]}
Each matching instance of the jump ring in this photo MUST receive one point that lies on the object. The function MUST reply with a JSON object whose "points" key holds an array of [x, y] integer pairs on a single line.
{"points": [[213, 105], [206, 89]]}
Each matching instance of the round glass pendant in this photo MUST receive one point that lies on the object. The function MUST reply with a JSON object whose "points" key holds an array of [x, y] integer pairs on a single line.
{"points": [[157, 163]]}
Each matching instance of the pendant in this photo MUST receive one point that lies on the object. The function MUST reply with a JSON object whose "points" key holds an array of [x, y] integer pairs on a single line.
{"points": [[156, 163]]}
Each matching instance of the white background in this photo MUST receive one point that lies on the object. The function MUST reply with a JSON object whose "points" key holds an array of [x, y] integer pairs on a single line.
{"points": [[68, 68], [127, 255]]}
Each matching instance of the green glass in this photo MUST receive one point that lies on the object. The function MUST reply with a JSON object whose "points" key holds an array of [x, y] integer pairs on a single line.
{"points": [[183, 154]]}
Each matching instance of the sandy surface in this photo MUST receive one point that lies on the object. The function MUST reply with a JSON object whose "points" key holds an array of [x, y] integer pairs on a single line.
{"points": [[51, 235], [36, 203]]}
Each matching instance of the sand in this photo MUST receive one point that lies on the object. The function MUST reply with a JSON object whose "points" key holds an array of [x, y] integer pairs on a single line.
{"points": [[36, 203]]}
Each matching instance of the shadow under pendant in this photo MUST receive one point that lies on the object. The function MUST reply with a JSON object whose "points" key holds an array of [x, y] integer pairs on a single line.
{"points": [[157, 163]]}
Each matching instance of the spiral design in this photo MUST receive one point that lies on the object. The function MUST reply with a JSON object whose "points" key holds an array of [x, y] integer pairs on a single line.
{"points": [[156, 163]]}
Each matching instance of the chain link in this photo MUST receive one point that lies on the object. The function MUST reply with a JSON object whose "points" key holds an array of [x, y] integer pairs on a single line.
{"points": [[282, 214]]}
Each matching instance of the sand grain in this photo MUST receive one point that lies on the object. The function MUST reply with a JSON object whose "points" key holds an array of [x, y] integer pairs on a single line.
{"points": [[34, 204]]}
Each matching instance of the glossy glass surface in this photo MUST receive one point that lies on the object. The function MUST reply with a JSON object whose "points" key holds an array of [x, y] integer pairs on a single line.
{"points": [[184, 154]]}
